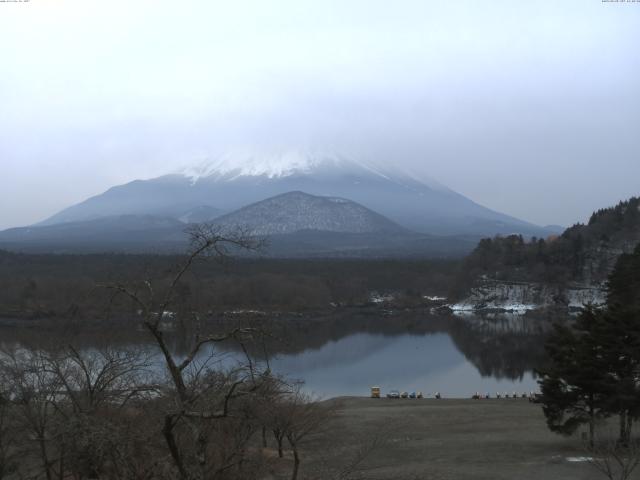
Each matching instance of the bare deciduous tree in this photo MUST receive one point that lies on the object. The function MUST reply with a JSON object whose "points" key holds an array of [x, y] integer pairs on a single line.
{"points": [[8, 447], [34, 391], [295, 416], [67, 411], [614, 460], [199, 394], [106, 413]]}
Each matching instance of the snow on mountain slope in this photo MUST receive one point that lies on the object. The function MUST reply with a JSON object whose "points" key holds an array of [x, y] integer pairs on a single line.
{"points": [[271, 164], [297, 211]]}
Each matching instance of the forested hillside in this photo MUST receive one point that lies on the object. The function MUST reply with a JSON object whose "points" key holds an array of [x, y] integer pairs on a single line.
{"points": [[583, 254]]}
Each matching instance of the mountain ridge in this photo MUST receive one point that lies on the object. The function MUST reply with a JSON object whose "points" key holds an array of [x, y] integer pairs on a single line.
{"points": [[296, 224], [420, 205]]}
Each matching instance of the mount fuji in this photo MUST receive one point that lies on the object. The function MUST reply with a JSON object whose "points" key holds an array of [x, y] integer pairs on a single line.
{"points": [[215, 187]]}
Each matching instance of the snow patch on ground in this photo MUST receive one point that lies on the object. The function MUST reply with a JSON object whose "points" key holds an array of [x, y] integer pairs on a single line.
{"points": [[462, 307], [245, 312], [468, 309], [579, 297], [434, 298], [376, 297]]}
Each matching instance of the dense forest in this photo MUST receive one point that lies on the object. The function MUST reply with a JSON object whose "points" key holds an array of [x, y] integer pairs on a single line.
{"points": [[47, 285], [583, 253]]}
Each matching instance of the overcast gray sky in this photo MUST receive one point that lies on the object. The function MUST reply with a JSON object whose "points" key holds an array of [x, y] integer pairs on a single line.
{"points": [[529, 107]]}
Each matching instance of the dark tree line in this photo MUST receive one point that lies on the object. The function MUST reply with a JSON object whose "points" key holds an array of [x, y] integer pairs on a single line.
{"points": [[59, 286], [594, 364], [579, 254]]}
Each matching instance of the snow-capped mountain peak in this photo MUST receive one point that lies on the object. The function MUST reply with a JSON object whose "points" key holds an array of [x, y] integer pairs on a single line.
{"points": [[272, 164]]}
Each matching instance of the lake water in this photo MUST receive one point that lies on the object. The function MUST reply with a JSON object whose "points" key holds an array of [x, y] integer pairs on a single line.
{"points": [[428, 363], [346, 355], [456, 356]]}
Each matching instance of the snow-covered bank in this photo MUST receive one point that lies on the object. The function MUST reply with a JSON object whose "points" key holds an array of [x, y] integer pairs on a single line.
{"points": [[522, 297]]}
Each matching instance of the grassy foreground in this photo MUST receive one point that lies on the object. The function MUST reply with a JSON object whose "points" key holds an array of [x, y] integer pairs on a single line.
{"points": [[447, 439]]}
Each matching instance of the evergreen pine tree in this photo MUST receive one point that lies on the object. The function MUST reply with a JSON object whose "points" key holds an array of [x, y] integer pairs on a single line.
{"points": [[620, 338], [573, 383], [594, 365]]}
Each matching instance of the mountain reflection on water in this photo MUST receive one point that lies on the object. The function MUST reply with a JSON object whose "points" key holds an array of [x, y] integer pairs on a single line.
{"points": [[453, 355], [346, 353]]}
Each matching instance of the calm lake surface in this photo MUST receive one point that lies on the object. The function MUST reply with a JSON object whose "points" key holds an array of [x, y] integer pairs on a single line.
{"points": [[456, 356], [428, 363], [349, 353]]}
